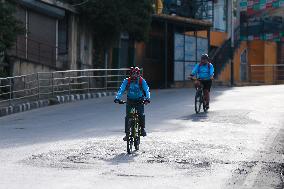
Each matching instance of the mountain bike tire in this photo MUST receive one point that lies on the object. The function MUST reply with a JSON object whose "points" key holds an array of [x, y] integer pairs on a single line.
{"points": [[198, 102], [136, 143], [129, 145], [129, 139], [204, 107]]}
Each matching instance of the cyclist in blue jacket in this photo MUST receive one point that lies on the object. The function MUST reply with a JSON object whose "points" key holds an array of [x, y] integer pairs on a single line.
{"points": [[137, 90], [204, 73]]}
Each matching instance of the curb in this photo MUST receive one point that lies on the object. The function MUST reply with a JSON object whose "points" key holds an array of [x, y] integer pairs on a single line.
{"points": [[23, 107], [4, 111], [78, 97]]}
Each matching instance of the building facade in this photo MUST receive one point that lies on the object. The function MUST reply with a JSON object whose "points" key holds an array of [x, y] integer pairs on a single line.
{"points": [[182, 30], [262, 41], [54, 39]]}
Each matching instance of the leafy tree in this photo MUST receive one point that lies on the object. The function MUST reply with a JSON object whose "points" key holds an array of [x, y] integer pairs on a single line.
{"points": [[136, 18], [10, 27], [103, 18], [107, 19]]}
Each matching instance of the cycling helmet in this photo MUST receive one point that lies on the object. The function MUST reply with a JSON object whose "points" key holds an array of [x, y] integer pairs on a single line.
{"points": [[134, 72], [205, 56]]}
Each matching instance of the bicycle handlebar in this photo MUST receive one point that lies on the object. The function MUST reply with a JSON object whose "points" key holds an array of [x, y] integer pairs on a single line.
{"points": [[198, 79], [122, 102], [138, 102]]}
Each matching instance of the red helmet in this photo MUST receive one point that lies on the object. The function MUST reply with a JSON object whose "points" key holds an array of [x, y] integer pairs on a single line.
{"points": [[134, 72]]}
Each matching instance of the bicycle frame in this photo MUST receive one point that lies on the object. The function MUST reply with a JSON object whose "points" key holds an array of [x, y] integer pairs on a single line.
{"points": [[199, 87], [134, 129], [134, 118]]}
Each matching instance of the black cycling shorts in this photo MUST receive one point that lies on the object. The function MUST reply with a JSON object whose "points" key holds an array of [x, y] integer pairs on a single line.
{"points": [[207, 84]]}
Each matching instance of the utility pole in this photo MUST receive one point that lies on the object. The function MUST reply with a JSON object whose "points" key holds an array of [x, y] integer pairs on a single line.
{"points": [[231, 12], [166, 54]]}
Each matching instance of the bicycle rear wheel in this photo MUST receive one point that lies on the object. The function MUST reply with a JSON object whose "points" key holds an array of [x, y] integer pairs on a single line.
{"points": [[136, 143], [130, 138], [198, 102], [137, 138], [129, 144], [205, 109]]}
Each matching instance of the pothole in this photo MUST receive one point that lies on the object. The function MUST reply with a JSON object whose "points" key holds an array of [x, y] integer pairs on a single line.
{"points": [[112, 152], [241, 171]]}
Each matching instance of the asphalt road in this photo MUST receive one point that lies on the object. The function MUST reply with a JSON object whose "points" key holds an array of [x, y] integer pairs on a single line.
{"points": [[239, 143]]}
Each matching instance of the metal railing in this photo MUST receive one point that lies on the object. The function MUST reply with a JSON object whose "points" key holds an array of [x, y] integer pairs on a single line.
{"points": [[267, 73], [44, 85]]}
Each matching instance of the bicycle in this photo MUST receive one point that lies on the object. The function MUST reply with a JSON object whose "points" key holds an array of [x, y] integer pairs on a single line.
{"points": [[134, 129], [199, 99]]}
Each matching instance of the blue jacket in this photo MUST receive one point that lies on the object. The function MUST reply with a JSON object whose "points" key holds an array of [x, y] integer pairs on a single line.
{"points": [[134, 90], [203, 71]]}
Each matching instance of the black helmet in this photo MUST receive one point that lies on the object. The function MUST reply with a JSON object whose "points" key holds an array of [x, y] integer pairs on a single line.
{"points": [[205, 56]]}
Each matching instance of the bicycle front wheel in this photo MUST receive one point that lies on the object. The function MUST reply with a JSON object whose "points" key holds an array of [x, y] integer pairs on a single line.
{"points": [[137, 137], [198, 102], [130, 138], [136, 143]]}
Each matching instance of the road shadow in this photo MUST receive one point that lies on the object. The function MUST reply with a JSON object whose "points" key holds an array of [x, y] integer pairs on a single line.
{"points": [[201, 117], [123, 158], [233, 116]]}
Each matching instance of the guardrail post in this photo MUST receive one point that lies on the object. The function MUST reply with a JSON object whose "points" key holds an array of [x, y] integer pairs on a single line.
{"points": [[69, 79], [52, 84], [10, 88], [38, 86], [25, 91], [106, 80], [89, 81]]}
